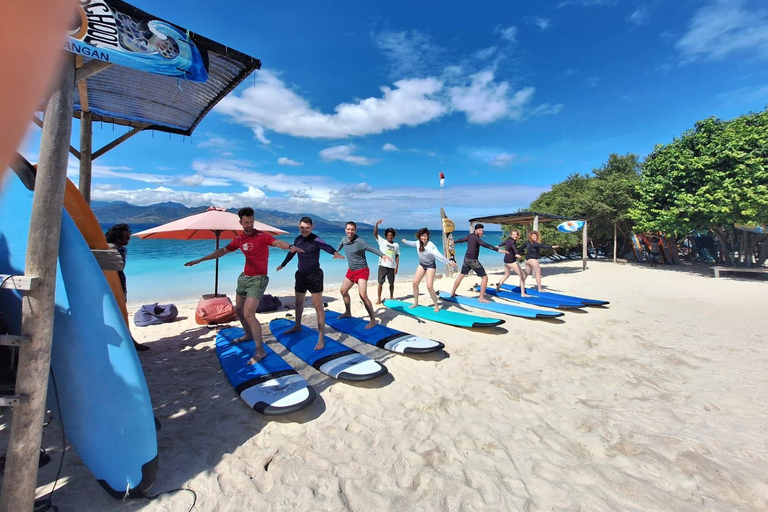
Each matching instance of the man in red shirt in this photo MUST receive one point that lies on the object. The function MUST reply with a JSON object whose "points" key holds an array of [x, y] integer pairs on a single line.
{"points": [[253, 281]]}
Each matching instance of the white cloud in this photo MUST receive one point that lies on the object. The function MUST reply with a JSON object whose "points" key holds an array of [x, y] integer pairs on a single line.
{"points": [[508, 34], [591, 81], [287, 161], [502, 160], [344, 153], [410, 53], [723, 27], [147, 196], [271, 105], [542, 23], [217, 142], [484, 101], [486, 53], [390, 147], [639, 17]]}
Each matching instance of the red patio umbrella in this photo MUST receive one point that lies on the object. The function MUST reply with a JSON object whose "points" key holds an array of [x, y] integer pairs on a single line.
{"points": [[209, 225]]}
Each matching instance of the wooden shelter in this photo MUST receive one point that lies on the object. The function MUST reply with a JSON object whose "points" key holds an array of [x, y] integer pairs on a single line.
{"points": [[96, 85], [531, 219]]}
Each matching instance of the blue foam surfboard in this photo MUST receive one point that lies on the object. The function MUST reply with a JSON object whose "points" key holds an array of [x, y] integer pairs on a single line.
{"points": [[443, 316], [335, 360], [106, 411], [382, 336], [557, 296], [270, 387], [498, 307], [534, 301]]}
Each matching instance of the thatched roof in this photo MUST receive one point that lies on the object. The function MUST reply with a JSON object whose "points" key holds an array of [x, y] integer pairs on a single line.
{"points": [[519, 218]]}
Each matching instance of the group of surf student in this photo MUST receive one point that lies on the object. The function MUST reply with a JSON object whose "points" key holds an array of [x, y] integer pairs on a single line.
{"points": [[309, 277]]}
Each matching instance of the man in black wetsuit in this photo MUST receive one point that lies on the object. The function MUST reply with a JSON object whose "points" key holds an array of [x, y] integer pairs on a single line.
{"points": [[471, 261], [309, 276]]}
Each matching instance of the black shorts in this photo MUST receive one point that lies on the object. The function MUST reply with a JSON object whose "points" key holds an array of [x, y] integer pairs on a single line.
{"points": [[386, 273], [427, 266], [311, 282], [472, 265]]}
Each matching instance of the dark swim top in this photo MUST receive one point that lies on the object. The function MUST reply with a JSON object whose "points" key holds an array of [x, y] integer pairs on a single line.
{"points": [[533, 250], [473, 246], [512, 251]]}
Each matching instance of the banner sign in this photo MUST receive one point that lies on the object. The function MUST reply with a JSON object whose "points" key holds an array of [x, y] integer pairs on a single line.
{"points": [[116, 32]]}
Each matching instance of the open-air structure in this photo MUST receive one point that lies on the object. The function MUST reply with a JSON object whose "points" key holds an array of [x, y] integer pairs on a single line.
{"points": [[121, 66]]}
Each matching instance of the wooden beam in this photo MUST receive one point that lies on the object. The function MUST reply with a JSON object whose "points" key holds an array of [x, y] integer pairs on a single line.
{"points": [[584, 249], [38, 306], [86, 147], [21, 283], [120, 140], [90, 69]]}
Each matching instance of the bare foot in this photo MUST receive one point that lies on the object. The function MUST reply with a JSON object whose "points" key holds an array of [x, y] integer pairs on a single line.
{"points": [[370, 324], [483, 299], [453, 295], [378, 301], [258, 357], [540, 290], [525, 295], [345, 315], [320, 343], [437, 308], [414, 305], [295, 328], [242, 339]]}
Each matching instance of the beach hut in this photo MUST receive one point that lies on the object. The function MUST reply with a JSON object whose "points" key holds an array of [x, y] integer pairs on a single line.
{"points": [[121, 66]]}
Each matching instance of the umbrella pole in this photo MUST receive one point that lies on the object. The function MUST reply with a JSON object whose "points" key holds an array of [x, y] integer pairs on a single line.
{"points": [[216, 285]]}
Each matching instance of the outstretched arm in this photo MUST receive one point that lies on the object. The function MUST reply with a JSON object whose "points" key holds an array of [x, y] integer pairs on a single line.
{"points": [[286, 246], [433, 250], [376, 228], [288, 258], [214, 255], [409, 243]]}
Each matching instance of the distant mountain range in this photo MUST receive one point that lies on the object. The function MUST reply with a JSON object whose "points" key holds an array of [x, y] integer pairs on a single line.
{"points": [[160, 213]]}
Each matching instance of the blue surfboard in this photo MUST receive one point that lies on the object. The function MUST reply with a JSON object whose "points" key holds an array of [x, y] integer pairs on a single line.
{"points": [[443, 316], [106, 411], [557, 296], [335, 360], [534, 301], [382, 336], [498, 307], [270, 387]]}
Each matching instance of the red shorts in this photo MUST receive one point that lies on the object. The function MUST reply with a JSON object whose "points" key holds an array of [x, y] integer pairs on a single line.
{"points": [[356, 275]]}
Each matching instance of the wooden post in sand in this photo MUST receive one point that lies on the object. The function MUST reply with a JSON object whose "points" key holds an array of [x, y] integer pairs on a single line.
{"points": [[86, 151], [584, 249], [38, 305]]}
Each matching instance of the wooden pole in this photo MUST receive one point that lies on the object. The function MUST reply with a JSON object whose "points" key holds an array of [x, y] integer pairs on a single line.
{"points": [[584, 249], [614, 241], [38, 305], [86, 151]]}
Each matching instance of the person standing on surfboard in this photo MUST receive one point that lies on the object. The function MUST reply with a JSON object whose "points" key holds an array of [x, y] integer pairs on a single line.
{"points": [[511, 262], [355, 247], [309, 276], [428, 253], [471, 261], [387, 269], [252, 282], [533, 249]]}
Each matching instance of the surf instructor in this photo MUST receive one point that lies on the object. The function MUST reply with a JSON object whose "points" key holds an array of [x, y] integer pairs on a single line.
{"points": [[252, 282]]}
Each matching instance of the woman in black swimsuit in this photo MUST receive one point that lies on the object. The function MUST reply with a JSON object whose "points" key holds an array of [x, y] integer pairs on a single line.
{"points": [[511, 263], [532, 254]]}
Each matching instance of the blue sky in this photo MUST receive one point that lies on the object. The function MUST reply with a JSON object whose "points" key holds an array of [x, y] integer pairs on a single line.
{"points": [[359, 105]]}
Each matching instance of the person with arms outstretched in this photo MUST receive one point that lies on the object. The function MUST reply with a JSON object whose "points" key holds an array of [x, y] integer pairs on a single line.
{"points": [[471, 261], [387, 268], [533, 249], [309, 276], [253, 281], [512, 262], [358, 273], [428, 253]]}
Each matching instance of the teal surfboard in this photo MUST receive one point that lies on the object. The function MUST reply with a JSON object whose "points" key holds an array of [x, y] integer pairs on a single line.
{"points": [[270, 387], [443, 316], [532, 300], [498, 307], [103, 399], [382, 336], [335, 360], [557, 296]]}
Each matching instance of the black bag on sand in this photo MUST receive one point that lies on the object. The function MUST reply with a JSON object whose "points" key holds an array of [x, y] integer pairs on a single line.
{"points": [[155, 314], [268, 303]]}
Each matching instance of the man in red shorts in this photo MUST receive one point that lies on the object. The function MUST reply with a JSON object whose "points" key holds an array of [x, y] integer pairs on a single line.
{"points": [[253, 281]]}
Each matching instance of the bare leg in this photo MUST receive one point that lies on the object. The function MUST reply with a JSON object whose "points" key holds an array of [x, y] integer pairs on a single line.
{"points": [[299, 312], [362, 289], [378, 300], [239, 305], [537, 273], [504, 277], [392, 290], [456, 284], [317, 301], [416, 282], [431, 288], [249, 314], [483, 286], [345, 287], [521, 274]]}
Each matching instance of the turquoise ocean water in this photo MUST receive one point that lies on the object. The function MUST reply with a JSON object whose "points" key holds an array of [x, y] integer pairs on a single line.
{"points": [[155, 268]]}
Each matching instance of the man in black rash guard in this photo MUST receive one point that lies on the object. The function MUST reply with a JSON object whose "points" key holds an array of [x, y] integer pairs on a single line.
{"points": [[309, 276], [471, 261]]}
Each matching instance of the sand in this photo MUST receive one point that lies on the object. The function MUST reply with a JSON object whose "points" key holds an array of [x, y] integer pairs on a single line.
{"points": [[657, 402]]}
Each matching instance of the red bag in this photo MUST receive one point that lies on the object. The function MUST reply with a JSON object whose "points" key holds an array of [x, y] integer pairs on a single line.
{"points": [[217, 310]]}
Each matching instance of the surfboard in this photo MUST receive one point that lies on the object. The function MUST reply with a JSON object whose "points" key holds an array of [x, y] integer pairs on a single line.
{"points": [[557, 296], [270, 387], [570, 226], [106, 411], [443, 316], [534, 301], [382, 336], [637, 248], [498, 307], [335, 360]]}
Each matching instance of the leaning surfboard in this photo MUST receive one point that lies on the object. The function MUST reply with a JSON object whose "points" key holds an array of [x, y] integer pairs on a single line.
{"points": [[382, 336], [556, 296], [334, 360], [103, 405], [498, 307], [443, 316], [271, 386], [532, 300]]}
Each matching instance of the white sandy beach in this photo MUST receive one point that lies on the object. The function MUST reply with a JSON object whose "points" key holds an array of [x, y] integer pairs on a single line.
{"points": [[657, 402]]}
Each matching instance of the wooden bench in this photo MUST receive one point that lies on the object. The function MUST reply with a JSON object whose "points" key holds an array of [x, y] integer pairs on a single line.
{"points": [[758, 270]]}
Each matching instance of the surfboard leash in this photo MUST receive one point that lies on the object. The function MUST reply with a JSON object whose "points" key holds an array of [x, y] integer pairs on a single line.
{"points": [[194, 496]]}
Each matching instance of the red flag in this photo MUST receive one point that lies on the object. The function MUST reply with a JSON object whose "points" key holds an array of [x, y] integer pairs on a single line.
{"points": [[442, 179]]}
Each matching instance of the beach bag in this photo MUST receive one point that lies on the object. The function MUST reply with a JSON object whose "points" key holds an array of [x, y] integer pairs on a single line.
{"points": [[155, 314], [268, 303], [216, 310]]}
